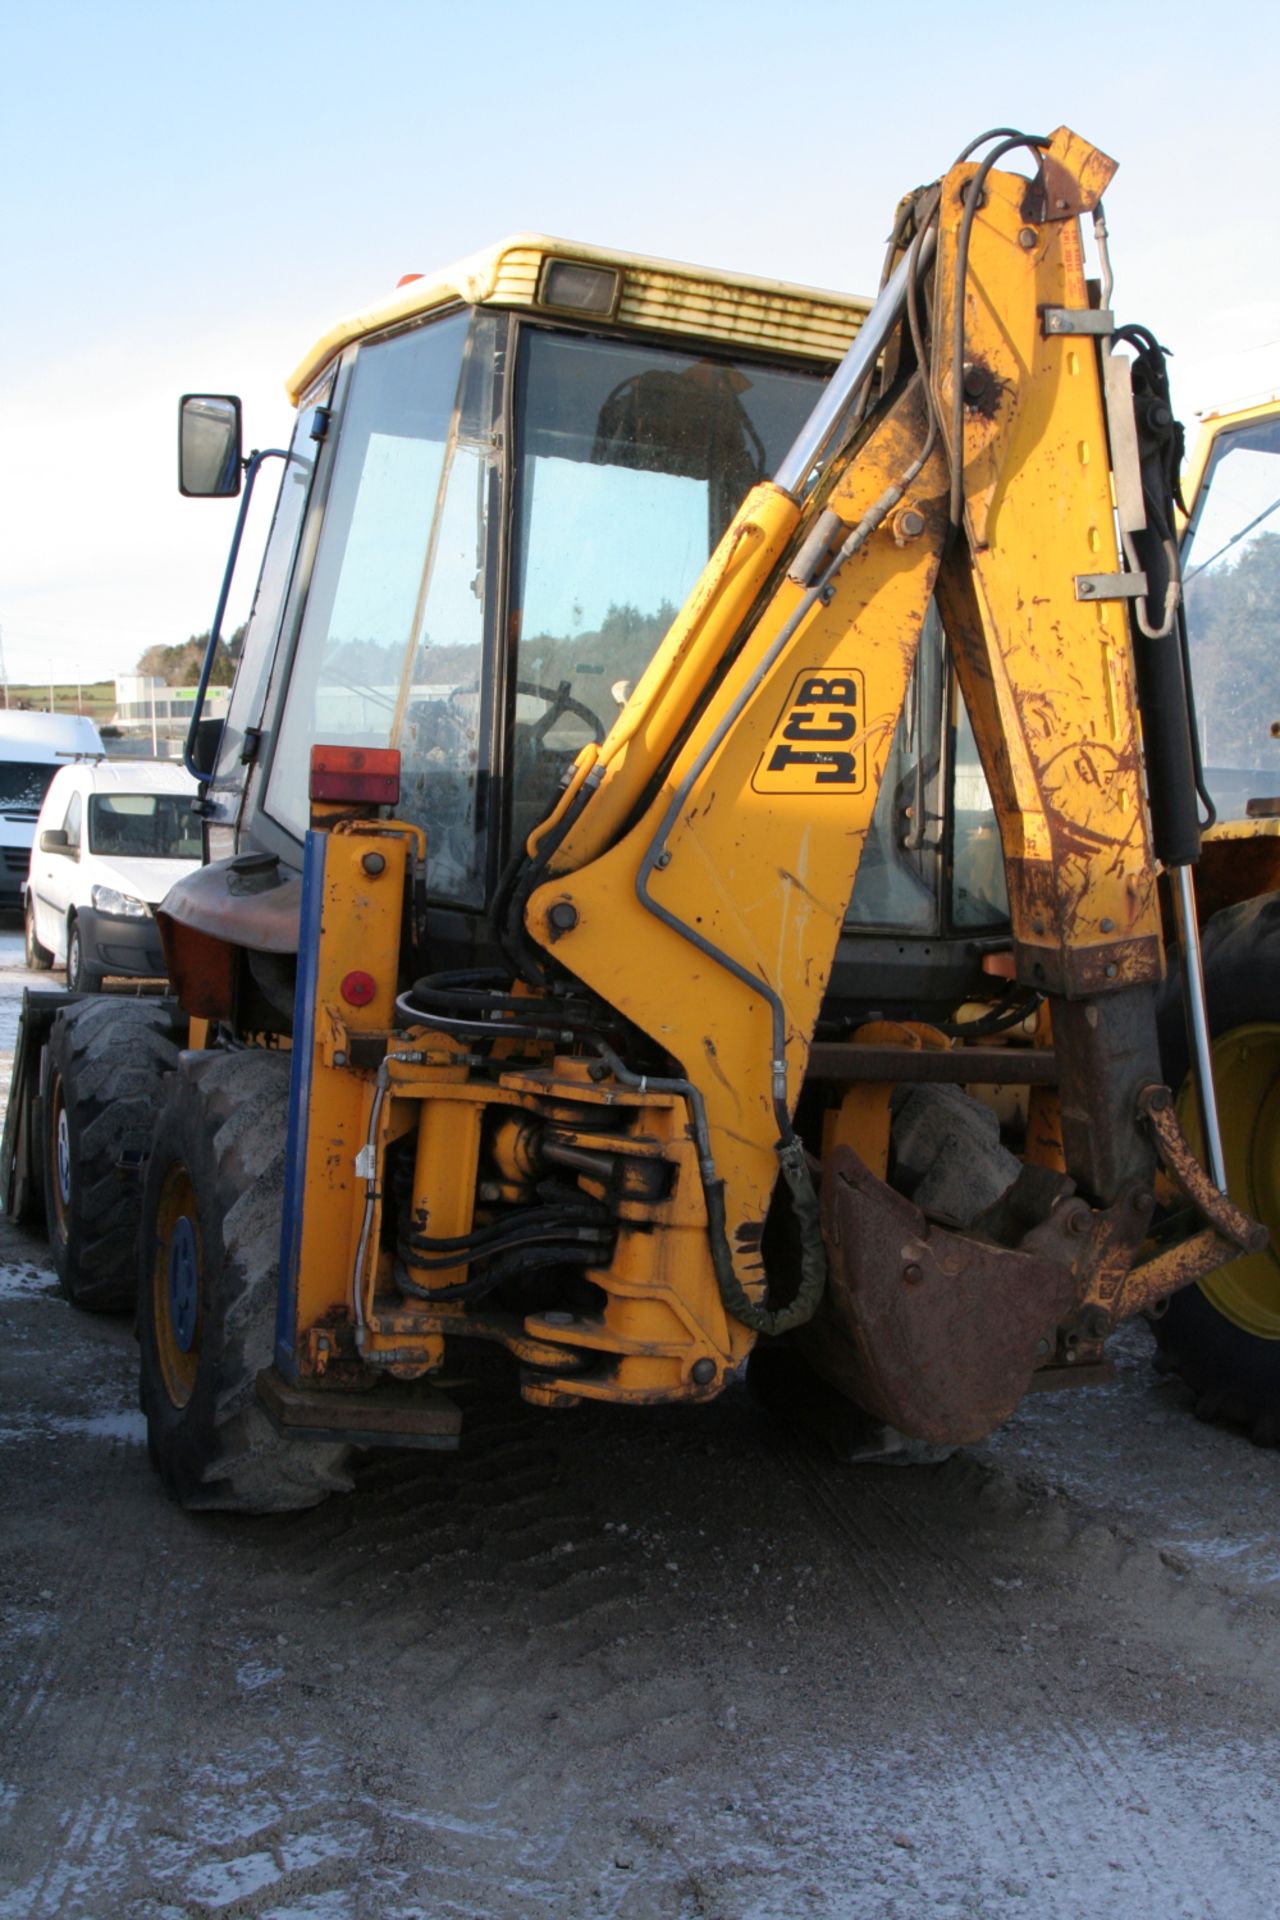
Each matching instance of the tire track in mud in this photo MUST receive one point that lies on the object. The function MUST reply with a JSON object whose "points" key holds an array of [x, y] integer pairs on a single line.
{"points": [[496, 1587], [520, 1545], [1014, 1801], [922, 1593], [502, 1522], [67, 1697], [1021, 1787], [97, 1716], [492, 1527], [66, 1718], [883, 1544]]}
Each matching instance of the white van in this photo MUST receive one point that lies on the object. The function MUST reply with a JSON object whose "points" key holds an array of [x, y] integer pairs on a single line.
{"points": [[32, 748], [111, 840]]}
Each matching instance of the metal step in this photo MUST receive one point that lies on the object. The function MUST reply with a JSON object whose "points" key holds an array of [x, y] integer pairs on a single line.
{"points": [[392, 1414]]}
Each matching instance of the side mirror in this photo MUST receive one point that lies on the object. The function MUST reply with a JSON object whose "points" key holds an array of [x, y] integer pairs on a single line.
{"points": [[208, 740], [54, 840], [209, 446]]}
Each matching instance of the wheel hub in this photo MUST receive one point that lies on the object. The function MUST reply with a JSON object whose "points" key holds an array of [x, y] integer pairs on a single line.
{"points": [[64, 1157], [184, 1283]]}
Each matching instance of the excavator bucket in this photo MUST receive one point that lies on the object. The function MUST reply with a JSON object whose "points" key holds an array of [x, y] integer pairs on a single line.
{"points": [[935, 1332]]}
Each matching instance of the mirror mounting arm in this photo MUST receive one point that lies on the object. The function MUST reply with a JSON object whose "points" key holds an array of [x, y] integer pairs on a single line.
{"points": [[251, 467]]}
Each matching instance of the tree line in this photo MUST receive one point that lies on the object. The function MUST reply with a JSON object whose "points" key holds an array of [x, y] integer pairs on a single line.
{"points": [[179, 666]]}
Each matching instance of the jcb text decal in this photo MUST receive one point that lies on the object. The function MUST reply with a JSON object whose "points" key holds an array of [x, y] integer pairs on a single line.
{"points": [[814, 747]]}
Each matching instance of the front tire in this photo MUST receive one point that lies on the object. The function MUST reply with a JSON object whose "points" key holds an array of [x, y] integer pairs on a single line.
{"points": [[208, 1280], [81, 977], [106, 1062], [38, 958], [1222, 1335]]}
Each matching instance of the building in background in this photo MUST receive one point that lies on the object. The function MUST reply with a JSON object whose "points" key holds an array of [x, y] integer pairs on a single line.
{"points": [[151, 718]]}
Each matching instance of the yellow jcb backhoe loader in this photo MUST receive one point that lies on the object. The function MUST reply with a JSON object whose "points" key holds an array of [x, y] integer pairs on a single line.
{"points": [[684, 859]]}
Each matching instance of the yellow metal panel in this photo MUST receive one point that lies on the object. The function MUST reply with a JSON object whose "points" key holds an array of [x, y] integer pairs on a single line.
{"points": [[341, 1097], [1266, 828]]}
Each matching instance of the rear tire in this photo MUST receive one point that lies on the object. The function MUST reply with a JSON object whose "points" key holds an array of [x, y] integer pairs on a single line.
{"points": [[107, 1062], [1222, 1335], [208, 1281], [38, 958], [81, 977]]}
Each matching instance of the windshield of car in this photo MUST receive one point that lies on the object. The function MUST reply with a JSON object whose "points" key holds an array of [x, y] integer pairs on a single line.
{"points": [[144, 826], [23, 786]]}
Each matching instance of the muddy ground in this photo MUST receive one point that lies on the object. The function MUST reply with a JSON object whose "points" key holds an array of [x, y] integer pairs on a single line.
{"points": [[601, 1664]]}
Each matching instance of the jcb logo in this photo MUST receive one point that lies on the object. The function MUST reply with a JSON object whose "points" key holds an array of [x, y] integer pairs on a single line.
{"points": [[812, 747]]}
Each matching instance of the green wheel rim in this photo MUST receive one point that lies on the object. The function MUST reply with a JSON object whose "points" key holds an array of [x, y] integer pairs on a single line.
{"points": [[1246, 1074]]}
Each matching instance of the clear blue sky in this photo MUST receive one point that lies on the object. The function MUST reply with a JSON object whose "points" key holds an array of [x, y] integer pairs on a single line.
{"points": [[191, 195]]}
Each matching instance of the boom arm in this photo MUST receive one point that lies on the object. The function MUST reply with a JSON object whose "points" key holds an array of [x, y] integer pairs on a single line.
{"points": [[711, 849]]}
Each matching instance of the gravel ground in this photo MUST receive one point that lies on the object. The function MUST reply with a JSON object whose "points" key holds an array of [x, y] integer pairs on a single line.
{"points": [[600, 1664]]}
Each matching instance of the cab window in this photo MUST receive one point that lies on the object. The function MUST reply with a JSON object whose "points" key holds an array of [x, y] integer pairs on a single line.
{"points": [[631, 460], [391, 644], [257, 648], [1231, 581]]}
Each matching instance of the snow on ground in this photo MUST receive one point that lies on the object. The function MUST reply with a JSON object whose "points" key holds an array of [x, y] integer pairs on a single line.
{"points": [[19, 1279], [1132, 1450]]}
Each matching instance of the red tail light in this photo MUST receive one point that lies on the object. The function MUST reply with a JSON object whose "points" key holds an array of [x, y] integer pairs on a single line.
{"points": [[370, 775]]}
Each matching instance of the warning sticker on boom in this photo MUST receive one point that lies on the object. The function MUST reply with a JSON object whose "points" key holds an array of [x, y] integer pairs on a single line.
{"points": [[815, 747]]}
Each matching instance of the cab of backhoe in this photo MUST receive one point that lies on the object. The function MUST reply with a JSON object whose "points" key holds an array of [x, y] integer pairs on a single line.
{"points": [[500, 489]]}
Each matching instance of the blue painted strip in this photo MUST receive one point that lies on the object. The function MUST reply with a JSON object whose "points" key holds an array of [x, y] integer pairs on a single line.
{"points": [[304, 1029]]}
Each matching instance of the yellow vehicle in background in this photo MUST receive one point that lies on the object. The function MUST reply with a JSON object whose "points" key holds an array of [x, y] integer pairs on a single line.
{"points": [[683, 864], [1223, 1335]]}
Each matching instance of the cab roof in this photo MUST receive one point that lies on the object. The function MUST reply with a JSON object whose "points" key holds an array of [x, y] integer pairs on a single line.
{"points": [[654, 296]]}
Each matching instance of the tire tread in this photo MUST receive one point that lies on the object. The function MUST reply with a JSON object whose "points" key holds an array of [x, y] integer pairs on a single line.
{"points": [[114, 1057], [227, 1112]]}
